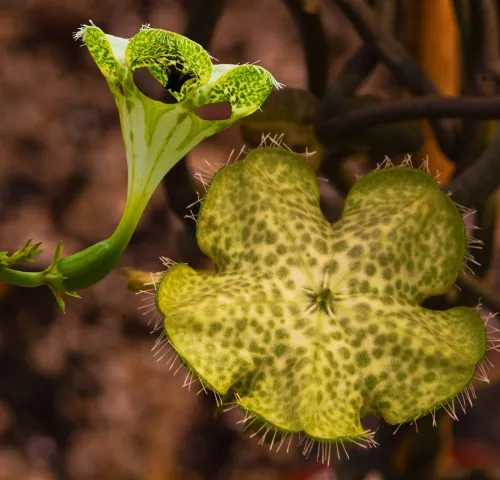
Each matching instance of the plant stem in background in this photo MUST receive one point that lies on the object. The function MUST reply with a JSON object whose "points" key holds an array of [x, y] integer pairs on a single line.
{"points": [[473, 187], [357, 68], [314, 43], [397, 60], [412, 108]]}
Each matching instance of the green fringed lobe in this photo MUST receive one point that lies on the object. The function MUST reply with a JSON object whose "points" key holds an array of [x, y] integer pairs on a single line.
{"points": [[182, 66], [314, 325], [102, 53], [179, 64], [243, 87]]}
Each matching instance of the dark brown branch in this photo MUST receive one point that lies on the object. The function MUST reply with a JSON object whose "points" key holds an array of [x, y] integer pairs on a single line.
{"points": [[399, 20], [315, 45], [386, 10], [356, 70], [202, 20], [361, 64], [489, 12], [478, 288], [473, 187], [390, 51], [394, 56], [472, 48], [411, 108], [473, 52]]}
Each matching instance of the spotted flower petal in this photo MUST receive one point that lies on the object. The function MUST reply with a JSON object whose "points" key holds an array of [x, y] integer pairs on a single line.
{"points": [[178, 63], [311, 325]]}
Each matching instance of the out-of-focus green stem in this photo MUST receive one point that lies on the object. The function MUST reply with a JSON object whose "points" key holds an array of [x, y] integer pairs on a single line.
{"points": [[21, 279]]}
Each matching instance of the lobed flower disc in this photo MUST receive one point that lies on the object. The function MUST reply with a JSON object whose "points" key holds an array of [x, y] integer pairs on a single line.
{"points": [[313, 325]]}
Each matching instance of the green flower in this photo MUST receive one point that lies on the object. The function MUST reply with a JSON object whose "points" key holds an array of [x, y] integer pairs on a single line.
{"points": [[156, 135], [310, 326]]}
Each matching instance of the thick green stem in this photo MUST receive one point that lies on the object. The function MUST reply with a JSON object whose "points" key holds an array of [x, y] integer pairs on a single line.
{"points": [[85, 268], [91, 265], [21, 279]]}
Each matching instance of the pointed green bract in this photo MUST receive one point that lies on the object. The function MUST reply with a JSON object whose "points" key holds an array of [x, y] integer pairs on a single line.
{"points": [[313, 325], [27, 253]]}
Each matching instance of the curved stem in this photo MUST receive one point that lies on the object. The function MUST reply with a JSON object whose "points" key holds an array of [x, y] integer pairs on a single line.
{"points": [[411, 108], [85, 268], [21, 279]]}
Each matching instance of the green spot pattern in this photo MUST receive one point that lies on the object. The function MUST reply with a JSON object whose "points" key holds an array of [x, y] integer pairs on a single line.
{"points": [[313, 325], [182, 66], [167, 54], [102, 53], [243, 87]]}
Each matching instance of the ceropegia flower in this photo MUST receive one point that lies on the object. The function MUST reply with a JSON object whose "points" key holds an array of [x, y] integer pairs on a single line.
{"points": [[309, 326], [158, 135]]}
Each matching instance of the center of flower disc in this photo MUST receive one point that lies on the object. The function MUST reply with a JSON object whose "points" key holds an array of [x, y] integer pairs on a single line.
{"points": [[323, 298]]}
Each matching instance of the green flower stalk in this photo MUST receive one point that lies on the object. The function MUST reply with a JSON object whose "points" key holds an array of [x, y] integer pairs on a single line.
{"points": [[308, 326], [156, 135]]}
